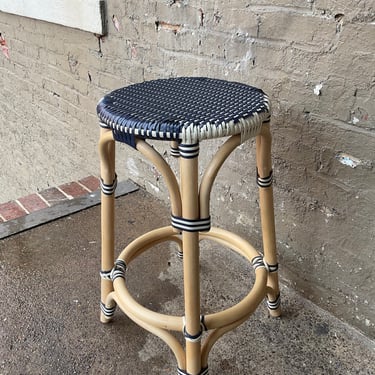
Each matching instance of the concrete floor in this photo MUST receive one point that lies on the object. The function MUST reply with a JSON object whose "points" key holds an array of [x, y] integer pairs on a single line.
{"points": [[49, 290]]}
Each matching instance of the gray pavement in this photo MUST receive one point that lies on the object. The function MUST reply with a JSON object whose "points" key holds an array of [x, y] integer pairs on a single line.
{"points": [[49, 292]]}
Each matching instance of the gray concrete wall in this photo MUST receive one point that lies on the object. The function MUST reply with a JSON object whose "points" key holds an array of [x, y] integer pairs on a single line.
{"points": [[314, 58]]}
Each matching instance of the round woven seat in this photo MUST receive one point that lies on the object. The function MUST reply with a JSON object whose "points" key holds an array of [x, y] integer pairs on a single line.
{"points": [[187, 109]]}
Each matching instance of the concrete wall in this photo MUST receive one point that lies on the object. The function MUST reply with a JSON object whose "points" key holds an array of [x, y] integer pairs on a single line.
{"points": [[314, 58]]}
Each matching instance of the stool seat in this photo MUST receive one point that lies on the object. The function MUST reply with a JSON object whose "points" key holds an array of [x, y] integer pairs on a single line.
{"points": [[185, 109]]}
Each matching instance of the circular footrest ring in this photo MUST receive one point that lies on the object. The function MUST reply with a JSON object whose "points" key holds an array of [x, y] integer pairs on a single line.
{"points": [[212, 321]]}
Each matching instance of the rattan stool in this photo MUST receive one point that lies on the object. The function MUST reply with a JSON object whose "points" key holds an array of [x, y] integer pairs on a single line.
{"points": [[186, 111]]}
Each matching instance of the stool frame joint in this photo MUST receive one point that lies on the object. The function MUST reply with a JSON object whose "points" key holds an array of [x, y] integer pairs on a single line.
{"points": [[192, 338], [106, 275], [118, 270], [198, 336], [273, 267], [265, 182], [203, 324], [258, 262], [175, 152], [188, 225], [108, 312], [275, 304], [188, 151], [108, 189]]}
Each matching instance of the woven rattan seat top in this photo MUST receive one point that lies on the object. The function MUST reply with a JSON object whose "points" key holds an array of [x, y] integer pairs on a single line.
{"points": [[187, 109]]}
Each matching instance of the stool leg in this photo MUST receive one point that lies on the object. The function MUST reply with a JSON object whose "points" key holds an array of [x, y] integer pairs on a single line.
{"points": [[264, 167], [108, 179], [190, 244]]}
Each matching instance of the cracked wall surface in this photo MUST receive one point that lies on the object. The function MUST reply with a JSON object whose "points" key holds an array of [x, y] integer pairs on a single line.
{"points": [[315, 59]]}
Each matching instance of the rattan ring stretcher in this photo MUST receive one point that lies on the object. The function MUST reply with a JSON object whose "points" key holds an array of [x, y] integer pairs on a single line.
{"points": [[187, 111]]}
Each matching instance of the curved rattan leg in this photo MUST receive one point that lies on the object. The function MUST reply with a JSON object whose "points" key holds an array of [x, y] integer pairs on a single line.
{"points": [[211, 172], [264, 180], [162, 166], [169, 177], [108, 185]]}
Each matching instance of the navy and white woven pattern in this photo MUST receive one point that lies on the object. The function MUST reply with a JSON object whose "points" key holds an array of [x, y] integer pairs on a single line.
{"points": [[186, 109]]}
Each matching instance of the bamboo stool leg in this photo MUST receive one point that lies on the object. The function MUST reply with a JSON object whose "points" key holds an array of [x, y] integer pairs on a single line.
{"points": [[108, 185], [264, 180], [190, 245]]}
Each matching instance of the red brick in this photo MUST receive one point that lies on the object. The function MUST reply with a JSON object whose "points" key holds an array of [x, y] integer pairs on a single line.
{"points": [[33, 202], [53, 196], [90, 182], [11, 210], [73, 189]]}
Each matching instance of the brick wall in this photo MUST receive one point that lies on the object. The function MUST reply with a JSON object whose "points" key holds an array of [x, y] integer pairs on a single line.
{"points": [[315, 58]]}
